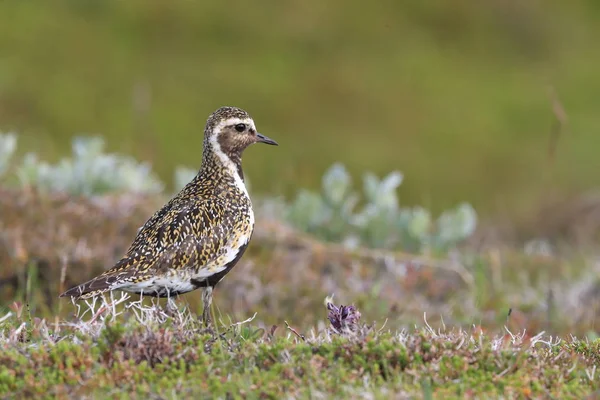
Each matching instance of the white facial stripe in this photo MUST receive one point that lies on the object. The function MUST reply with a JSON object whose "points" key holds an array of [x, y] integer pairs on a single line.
{"points": [[225, 160], [234, 121]]}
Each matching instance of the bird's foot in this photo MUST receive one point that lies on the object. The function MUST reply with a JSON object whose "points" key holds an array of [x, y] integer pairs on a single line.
{"points": [[206, 322], [207, 325]]}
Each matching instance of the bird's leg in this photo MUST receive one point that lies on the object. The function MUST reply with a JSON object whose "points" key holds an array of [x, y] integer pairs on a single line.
{"points": [[207, 300], [171, 309]]}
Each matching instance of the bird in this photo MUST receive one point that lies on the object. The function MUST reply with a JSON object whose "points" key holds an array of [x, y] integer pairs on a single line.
{"points": [[201, 233]]}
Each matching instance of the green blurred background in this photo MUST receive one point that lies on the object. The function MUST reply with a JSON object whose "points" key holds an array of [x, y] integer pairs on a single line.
{"points": [[455, 94]]}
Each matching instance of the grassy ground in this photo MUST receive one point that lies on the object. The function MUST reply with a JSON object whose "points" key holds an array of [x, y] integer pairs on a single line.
{"points": [[156, 356]]}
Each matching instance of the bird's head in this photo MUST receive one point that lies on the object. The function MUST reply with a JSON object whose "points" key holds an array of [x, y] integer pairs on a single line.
{"points": [[231, 130]]}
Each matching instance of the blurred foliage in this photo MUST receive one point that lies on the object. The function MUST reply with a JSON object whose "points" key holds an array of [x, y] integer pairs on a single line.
{"points": [[89, 171], [183, 175], [332, 215], [8, 145], [454, 93]]}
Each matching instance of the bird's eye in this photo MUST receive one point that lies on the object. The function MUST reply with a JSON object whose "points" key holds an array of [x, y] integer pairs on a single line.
{"points": [[240, 127]]}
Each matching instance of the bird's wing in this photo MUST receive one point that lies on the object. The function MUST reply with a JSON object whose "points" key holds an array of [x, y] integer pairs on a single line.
{"points": [[190, 236]]}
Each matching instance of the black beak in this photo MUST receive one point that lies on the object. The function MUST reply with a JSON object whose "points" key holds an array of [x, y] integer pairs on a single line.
{"points": [[266, 140]]}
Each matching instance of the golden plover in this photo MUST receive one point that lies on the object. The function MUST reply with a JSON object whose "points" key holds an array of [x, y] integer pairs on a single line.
{"points": [[201, 233]]}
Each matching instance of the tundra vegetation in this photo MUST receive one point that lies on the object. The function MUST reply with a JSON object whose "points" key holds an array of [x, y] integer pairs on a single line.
{"points": [[344, 291]]}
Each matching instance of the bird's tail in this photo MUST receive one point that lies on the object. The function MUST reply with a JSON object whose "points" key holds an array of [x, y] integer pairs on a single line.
{"points": [[92, 288]]}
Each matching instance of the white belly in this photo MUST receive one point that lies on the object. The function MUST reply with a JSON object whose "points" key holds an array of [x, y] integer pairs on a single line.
{"points": [[162, 286]]}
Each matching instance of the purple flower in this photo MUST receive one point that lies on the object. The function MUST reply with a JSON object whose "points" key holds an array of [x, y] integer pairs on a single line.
{"points": [[343, 318]]}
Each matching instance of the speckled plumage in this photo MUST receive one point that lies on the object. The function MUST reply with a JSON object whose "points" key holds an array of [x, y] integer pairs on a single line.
{"points": [[201, 233]]}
